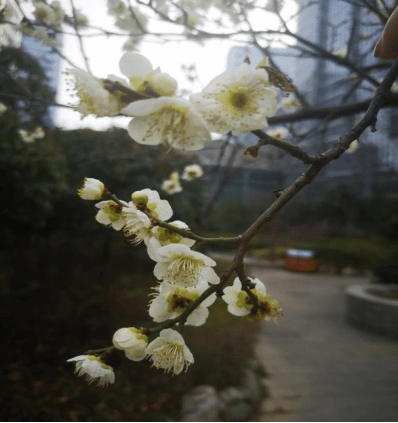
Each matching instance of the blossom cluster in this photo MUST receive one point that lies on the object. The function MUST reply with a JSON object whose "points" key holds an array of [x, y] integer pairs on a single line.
{"points": [[183, 293], [128, 18], [3, 108], [236, 101], [31, 136], [45, 23], [48, 19], [172, 185]]}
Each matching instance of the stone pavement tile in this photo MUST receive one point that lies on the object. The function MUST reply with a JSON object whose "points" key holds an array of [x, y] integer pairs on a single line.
{"points": [[321, 368], [352, 408]]}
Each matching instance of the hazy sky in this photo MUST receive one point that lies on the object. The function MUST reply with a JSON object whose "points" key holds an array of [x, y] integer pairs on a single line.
{"points": [[104, 55]]}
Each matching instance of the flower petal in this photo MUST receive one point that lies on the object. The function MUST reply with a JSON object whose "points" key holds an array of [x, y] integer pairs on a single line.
{"points": [[132, 64]]}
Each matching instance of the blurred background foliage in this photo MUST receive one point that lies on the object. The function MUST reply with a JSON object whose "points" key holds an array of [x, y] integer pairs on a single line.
{"points": [[344, 230], [21, 75]]}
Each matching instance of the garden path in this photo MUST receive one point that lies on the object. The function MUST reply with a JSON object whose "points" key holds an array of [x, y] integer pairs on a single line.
{"points": [[320, 367]]}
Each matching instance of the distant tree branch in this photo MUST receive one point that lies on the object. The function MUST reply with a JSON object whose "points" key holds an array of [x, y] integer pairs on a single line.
{"points": [[82, 49], [338, 111]]}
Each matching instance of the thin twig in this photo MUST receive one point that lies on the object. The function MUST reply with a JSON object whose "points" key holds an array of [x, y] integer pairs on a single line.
{"points": [[184, 232], [323, 112], [293, 150], [82, 50]]}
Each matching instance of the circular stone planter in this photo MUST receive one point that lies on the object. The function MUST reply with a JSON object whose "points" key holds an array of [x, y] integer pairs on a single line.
{"points": [[371, 312]]}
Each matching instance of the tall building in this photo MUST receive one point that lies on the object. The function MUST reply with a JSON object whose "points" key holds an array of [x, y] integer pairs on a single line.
{"points": [[346, 30], [50, 62], [11, 15]]}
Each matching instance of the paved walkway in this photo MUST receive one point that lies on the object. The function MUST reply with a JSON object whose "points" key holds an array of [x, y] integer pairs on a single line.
{"points": [[321, 368]]}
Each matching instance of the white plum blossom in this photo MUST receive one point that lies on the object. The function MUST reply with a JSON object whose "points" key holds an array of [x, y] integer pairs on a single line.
{"points": [[192, 172], [167, 119], [93, 97], [172, 300], [124, 18], [342, 52], [289, 104], [92, 189], [93, 368], [26, 136], [394, 88], [41, 34], [191, 17], [132, 341], [172, 185], [143, 78], [238, 100], [178, 264], [131, 43], [80, 19], [3, 108], [137, 225], [274, 6], [353, 147], [51, 15], [169, 352], [278, 132], [10, 11], [30, 137], [240, 303], [110, 214], [38, 132], [166, 236], [148, 200]]}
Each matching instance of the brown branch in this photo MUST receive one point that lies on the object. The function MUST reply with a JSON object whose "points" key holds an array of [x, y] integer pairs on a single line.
{"points": [[187, 233], [247, 286], [136, 20], [129, 95], [55, 50], [323, 112], [183, 232], [293, 150]]}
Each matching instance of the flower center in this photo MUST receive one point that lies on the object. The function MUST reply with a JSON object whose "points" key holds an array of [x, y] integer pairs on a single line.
{"points": [[113, 211], [180, 299], [169, 357], [137, 229], [179, 109], [243, 301], [184, 271], [238, 100], [184, 264]]}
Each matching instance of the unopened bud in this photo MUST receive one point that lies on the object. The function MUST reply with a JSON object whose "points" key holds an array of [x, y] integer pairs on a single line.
{"points": [[92, 189], [139, 198]]}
